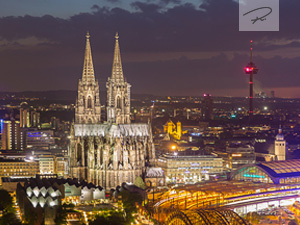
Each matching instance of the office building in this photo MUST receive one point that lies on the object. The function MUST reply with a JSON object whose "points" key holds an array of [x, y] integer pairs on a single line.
{"points": [[188, 167], [11, 135], [40, 139], [239, 155], [18, 168]]}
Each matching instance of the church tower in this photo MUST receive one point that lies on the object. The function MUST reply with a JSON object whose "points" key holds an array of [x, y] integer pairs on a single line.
{"points": [[113, 152], [118, 91], [88, 108], [280, 146]]}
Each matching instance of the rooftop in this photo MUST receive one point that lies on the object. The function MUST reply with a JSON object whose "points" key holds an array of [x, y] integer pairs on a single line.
{"points": [[285, 168]]}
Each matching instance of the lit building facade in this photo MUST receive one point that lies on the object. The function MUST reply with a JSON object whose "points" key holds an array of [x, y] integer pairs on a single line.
{"points": [[61, 166], [277, 172], [41, 139], [46, 164], [29, 117], [280, 146], [42, 196], [239, 155], [189, 166], [18, 168], [174, 130], [207, 109], [111, 152], [11, 135]]}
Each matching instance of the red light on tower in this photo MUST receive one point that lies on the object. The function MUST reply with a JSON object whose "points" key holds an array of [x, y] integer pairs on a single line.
{"points": [[251, 69], [247, 69]]}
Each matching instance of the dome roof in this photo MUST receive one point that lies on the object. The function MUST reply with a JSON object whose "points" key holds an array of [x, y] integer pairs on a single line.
{"points": [[280, 136]]}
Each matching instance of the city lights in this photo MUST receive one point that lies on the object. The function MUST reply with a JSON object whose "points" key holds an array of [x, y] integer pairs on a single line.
{"points": [[147, 112]]}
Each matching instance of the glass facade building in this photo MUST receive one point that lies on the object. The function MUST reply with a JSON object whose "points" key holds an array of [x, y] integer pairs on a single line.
{"points": [[277, 172]]}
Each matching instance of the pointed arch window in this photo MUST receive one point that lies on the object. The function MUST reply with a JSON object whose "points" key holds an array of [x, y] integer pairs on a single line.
{"points": [[89, 102], [79, 153], [118, 102], [83, 100]]}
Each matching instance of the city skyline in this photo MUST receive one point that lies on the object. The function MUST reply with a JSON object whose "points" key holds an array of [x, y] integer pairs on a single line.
{"points": [[161, 55]]}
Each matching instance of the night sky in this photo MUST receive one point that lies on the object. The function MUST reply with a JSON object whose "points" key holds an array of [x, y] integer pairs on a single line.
{"points": [[168, 47]]}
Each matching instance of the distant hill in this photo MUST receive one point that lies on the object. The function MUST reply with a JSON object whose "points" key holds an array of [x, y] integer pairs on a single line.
{"points": [[63, 95]]}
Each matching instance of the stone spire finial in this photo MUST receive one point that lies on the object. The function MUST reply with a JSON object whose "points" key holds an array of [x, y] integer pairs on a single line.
{"points": [[88, 68], [117, 70]]}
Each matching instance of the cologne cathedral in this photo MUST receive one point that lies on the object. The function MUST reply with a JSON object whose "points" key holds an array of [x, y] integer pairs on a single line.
{"points": [[107, 153]]}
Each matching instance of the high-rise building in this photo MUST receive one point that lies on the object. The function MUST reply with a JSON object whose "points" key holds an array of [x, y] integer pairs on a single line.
{"points": [[207, 109], [280, 146], [55, 122], [28, 117], [11, 135], [24, 117], [34, 118], [111, 152], [272, 94]]}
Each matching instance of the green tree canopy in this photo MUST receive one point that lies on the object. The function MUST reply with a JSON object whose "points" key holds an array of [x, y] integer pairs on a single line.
{"points": [[9, 212], [109, 217], [140, 183]]}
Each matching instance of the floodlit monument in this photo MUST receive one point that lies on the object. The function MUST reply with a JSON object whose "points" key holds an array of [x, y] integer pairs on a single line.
{"points": [[114, 151]]}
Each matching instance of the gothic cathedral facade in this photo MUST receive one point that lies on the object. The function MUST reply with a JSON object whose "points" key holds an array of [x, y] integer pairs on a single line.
{"points": [[107, 153]]}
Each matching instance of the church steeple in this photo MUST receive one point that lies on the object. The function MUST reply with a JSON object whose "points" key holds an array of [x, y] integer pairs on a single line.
{"points": [[88, 108], [117, 70], [118, 91], [88, 75], [280, 146]]}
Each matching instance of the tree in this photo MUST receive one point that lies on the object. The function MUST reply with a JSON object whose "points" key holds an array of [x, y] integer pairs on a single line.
{"points": [[31, 215], [62, 213], [129, 200], [109, 217], [9, 212], [140, 183]]}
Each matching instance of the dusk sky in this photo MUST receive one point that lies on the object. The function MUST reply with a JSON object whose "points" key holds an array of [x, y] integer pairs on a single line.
{"points": [[168, 47]]}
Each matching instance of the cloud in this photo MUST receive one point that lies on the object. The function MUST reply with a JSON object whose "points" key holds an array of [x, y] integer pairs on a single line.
{"points": [[184, 47], [24, 42], [145, 7], [113, 1], [171, 1]]}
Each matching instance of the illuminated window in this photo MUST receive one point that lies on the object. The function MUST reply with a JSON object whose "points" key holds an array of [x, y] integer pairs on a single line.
{"points": [[89, 102], [118, 102]]}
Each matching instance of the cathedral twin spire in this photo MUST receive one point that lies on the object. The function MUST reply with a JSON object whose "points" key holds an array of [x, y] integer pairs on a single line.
{"points": [[117, 70], [118, 91], [88, 108], [88, 75]]}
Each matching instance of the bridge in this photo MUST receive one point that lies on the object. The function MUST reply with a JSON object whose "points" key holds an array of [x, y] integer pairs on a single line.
{"points": [[217, 216], [182, 204]]}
